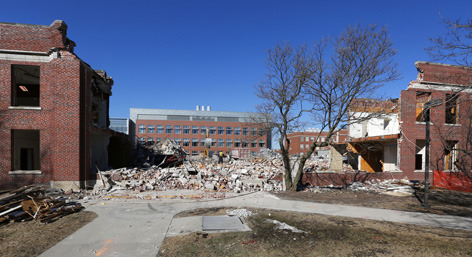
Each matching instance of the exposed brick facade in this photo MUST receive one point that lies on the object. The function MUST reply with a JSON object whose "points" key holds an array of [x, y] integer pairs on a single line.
{"points": [[63, 117], [450, 121], [300, 140], [440, 80]]}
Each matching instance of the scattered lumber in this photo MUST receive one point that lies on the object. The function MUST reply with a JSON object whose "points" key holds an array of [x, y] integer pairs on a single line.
{"points": [[34, 203]]}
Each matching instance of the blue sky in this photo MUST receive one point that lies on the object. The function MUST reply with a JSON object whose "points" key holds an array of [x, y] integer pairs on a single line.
{"points": [[179, 54]]}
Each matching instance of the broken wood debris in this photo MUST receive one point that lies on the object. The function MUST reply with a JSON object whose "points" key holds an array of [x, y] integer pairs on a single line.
{"points": [[34, 202]]}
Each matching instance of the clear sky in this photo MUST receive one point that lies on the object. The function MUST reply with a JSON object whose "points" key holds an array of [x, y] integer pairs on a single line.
{"points": [[179, 54]]}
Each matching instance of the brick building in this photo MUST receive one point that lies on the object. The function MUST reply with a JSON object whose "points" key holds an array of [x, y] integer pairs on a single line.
{"points": [[188, 128], [395, 142], [300, 141], [53, 109]]}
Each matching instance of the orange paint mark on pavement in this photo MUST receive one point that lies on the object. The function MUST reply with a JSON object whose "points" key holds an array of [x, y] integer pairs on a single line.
{"points": [[104, 248]]}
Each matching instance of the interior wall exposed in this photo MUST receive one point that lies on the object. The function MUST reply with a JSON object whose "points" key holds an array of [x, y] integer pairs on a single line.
{"points": [[390, 157]]}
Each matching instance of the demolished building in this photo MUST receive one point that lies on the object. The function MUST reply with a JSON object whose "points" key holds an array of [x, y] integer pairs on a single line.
{"points": [[394, 141], [53, 110]]}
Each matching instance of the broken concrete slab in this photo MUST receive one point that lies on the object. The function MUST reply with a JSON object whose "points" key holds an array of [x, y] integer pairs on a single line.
{"points": [[184, 226]]}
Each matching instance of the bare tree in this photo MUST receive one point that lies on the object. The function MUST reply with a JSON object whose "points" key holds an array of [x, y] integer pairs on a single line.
{"points": [[455, 45], [363, 60], [289, 72]]}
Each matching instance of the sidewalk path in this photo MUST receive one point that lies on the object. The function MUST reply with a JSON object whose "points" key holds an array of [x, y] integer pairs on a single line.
{"points": [[138, 227]]}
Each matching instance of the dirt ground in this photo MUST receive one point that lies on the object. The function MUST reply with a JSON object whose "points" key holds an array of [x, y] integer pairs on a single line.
{"points": [[324, 236], [31, 238], [441, 201]]}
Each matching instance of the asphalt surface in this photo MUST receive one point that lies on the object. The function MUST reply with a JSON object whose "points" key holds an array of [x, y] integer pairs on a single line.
{"points": [[138, 227]]}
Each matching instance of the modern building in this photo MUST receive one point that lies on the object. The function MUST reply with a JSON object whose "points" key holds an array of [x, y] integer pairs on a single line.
{"points": [[190, 128], [53, 109], [300, 142], [122, 125], [396, 141]]}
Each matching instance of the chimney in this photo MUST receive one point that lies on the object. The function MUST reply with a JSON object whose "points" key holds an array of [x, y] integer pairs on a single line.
{"points": [[208, 108], [203, 107], [198, 108]]}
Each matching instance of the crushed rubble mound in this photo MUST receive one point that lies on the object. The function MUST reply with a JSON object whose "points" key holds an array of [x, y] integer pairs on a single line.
{"points": [[268, 154], [168, 147], [34, 202], [167, 153], [235, 176]]}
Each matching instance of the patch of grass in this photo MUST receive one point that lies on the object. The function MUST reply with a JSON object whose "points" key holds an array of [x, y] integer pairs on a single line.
{"points": [[443, 202], [326, 236], [31, 238]]}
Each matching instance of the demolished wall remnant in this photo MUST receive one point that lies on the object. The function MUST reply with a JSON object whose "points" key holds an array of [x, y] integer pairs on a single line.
{"points": [[401, 149], [53, 110]]}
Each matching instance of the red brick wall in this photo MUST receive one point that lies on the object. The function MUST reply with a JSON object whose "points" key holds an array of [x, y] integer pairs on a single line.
{"points": [[345, 179], [64, 120], [37, 38], [439, 131], [58, 122], [443, 73], [295, 140]]}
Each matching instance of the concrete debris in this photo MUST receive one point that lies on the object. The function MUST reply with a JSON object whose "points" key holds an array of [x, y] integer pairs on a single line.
{"points": [[268, 154], [397, 187], [167, 153], [285, 226], [317, 163], [240, 213], [34, 202], [168, 147], [235, 176]]}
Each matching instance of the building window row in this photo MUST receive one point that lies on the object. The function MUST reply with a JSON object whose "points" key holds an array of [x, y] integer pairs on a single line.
{"points": [[212, 130], [221, 142]]}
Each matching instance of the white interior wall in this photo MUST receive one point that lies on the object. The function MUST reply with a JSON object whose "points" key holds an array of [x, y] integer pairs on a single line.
{"points": [[390, 157]]}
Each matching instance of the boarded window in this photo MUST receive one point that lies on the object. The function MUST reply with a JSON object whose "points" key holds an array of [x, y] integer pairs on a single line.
{"points": [[450, 155], [451, 108], [421, 99]]}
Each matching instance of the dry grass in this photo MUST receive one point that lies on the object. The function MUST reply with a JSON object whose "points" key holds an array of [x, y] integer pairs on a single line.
{"points": [[31, 238], [442, 202], [326, 236]]}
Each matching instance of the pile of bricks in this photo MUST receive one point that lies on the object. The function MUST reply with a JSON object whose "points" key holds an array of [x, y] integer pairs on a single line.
{"points": [[257, 174]]}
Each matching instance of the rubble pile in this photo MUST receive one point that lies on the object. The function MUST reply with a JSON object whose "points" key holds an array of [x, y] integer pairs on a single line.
{"points": [[235, 176], [268, 154], [397, 187], [34, 202], [168, 147], [314, 164]]}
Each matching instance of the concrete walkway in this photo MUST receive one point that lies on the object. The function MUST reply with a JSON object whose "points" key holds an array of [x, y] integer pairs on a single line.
{"points": [[138, 227]]}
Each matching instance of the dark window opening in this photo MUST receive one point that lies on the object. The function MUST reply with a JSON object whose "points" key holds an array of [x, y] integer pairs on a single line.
{"points": [[418, 162], [25, 85], [25, 149]]}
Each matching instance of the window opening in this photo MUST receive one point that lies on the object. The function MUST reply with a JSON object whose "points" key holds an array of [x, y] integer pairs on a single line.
{"points": [[451, 108], [421, 99], [25, 85]]}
